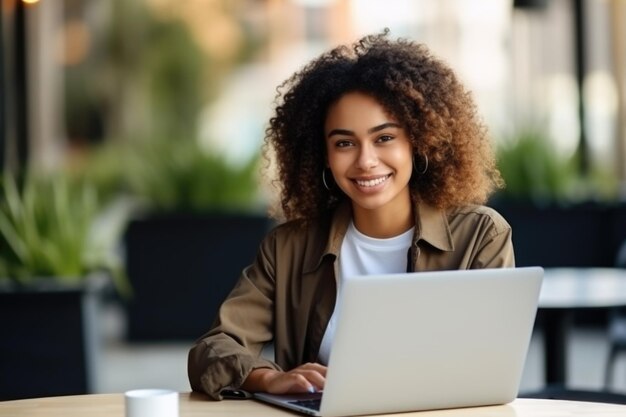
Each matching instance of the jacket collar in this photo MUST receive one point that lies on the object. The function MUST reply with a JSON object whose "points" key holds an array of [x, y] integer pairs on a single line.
{"points": [[338, 227], [431, 226], [339, 220]]}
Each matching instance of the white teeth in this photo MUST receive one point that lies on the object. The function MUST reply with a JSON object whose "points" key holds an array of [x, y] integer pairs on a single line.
{"points": [[371, 183]]}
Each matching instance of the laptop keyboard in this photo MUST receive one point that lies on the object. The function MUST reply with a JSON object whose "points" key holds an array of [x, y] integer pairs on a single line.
{"points": [[313, 404]]}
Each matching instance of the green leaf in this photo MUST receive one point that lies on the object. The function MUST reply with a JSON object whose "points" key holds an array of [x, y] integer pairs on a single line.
{"points": [[45, 228]]}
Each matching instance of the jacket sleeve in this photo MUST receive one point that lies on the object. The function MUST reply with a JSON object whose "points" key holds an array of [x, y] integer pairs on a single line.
{"points": [[224, 357], [496, 248]]}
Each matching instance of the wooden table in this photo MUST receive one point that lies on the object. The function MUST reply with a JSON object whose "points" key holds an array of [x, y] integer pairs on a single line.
{"points": [[197, 405], [565, 290]]}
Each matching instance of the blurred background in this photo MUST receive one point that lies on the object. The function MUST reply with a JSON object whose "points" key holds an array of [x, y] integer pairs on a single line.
{"points": [[130, 133]]}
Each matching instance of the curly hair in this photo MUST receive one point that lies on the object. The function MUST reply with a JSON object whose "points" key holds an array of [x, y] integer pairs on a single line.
{"points": [[420, 91]]}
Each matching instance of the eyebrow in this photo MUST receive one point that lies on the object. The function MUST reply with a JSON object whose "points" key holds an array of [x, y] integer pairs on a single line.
{"points": [[370, 130]]}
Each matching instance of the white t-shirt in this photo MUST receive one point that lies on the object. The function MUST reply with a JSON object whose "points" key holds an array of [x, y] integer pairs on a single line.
{"points": [[364, 255]]}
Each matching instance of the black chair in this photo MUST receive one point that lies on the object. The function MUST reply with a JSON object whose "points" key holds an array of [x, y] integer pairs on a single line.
{"points": [[617, 341], [617, 327]]}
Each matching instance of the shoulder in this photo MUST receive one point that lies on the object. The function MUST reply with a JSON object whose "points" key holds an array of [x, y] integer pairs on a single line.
{"points": [[479, 216], [294, 246], [299, 234]]}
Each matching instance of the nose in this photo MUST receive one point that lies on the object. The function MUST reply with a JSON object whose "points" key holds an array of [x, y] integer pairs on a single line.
{"points": [[367, 158]]}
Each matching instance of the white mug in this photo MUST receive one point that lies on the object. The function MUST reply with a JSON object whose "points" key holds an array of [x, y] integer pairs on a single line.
{"points": [[151, 403]]}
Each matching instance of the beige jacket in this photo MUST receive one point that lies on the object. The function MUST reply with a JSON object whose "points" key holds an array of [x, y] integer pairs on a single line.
{"points": [[287, 295]]}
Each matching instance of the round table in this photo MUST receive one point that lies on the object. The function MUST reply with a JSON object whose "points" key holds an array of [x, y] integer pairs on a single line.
{"points": [[197, 405], [565, 290]]}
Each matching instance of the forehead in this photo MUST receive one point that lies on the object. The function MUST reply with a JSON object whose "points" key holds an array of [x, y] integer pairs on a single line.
{"points": [[356, 109]]}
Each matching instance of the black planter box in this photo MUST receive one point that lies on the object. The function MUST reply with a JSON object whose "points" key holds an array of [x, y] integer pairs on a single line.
{"points": [[586, 234], [49, 340], [181, 267], [581, 235]]}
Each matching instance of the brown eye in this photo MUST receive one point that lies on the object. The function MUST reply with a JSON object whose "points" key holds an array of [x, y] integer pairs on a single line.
{"points": [[343, 143]]}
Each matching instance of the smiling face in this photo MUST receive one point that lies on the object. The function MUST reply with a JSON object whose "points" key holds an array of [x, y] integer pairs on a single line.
{"points": [[370, 155]]}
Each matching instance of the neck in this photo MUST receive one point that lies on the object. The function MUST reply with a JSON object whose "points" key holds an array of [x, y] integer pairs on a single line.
{"points": [[383, 223]]}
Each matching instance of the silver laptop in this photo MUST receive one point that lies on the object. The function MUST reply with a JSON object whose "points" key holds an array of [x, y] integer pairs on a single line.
{"points": [[426, 340]]}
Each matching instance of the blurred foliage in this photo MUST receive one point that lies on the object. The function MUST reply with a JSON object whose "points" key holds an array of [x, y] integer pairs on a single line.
{"points": [[170, 176], [146, 74], [535, 172], [138, 64], [102, 165], [159, 63], [173, 80], [179, 176], [49, 229]]}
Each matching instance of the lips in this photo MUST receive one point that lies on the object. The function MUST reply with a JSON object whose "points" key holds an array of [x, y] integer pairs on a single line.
{"points": [[372, 182]]}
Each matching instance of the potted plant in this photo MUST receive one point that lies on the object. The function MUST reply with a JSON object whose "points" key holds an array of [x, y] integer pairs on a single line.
{"points": [[559, 217], [54, 268], [201, 224]]}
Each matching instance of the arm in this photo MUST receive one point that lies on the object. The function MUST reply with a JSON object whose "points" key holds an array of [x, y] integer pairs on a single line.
{"points": [[225, 356], [496, 248], [228, 356]]}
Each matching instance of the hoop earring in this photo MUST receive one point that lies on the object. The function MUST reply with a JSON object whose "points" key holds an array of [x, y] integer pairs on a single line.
{"points": [[324, 179], [423, 171]]}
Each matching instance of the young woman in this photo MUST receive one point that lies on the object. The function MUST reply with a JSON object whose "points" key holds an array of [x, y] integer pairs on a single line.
{"points": [[383, 166]]}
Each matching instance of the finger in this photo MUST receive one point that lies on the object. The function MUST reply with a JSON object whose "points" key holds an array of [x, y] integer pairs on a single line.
{"points": [[314, 366], [290, 383], [315, 378]]}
